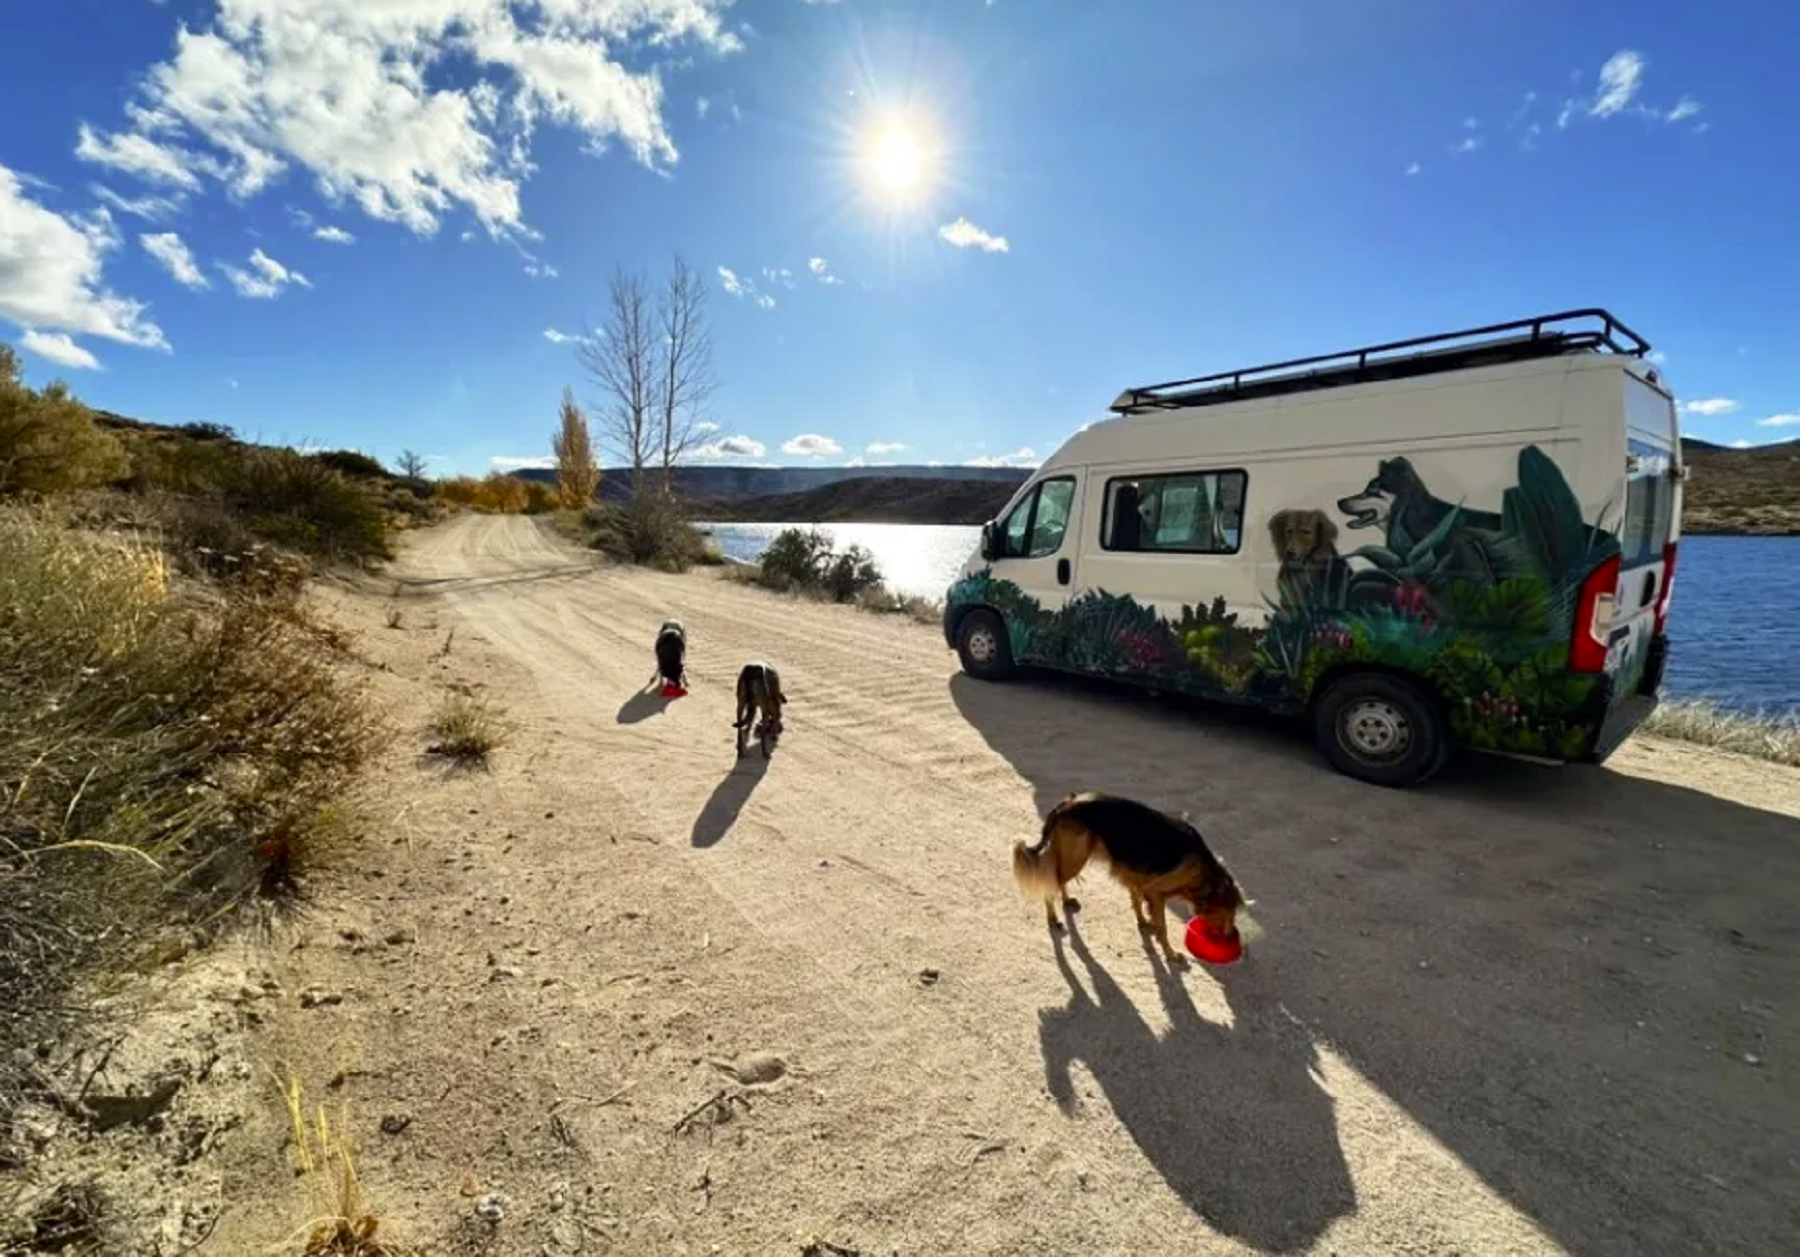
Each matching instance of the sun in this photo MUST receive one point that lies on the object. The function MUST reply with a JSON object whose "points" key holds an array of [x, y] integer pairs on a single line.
{"points": [[897, 160]]}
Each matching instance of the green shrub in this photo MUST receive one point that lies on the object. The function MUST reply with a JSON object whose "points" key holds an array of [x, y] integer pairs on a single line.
{"points": [[466, 730], [801, 559], [352, 463], [49, 442], [299, 502]]}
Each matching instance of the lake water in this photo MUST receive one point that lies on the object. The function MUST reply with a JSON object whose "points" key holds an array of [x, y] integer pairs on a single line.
{"points": [[1734, 626]]}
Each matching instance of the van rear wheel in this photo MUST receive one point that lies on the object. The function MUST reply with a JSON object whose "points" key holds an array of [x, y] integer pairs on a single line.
{"points": [[982, 644], [1381, 729]]}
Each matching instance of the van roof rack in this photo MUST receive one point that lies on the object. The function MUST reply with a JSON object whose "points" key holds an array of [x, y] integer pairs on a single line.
{"points": [[1519, 341]]}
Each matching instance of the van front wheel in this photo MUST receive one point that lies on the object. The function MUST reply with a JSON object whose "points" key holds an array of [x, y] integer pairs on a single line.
{"points": [[1380, 729], [982, 644]]}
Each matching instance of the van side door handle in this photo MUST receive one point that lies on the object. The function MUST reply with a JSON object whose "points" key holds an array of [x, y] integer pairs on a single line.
{"points": [[1062, 571]]}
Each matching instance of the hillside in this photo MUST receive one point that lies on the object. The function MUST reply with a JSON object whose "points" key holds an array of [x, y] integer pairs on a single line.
{"points": [[736, 484], [874, 500], [1749, 492]]}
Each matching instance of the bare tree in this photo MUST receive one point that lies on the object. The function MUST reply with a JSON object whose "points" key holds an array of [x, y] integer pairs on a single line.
{"points": [[685, 381], [577, 473], [620, 358], [412, 465], [653, 363]]}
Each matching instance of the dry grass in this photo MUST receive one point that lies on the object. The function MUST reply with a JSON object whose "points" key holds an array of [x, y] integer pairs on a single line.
{"points": [[342, 1224], [168, 751], [1774, 738], [466, 730]]}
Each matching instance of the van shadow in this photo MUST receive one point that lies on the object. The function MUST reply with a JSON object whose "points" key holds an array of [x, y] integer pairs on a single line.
{"points": [[1577, 980], [1233, 1118], [727, 801]]}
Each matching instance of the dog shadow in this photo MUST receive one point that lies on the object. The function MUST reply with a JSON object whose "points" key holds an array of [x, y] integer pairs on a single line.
{"points": [[643, 705], [1234, 1117], [727, 801]]}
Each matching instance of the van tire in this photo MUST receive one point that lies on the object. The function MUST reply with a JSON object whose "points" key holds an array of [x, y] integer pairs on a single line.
{"points": [[983, 647], [1381, 729]]}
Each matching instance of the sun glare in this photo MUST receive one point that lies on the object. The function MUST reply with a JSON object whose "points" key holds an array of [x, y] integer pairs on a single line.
{"points": [[896, 161]]}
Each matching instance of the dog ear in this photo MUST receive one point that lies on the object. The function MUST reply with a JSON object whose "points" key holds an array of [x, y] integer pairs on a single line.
{"points": [[1328, 531], [1278, 528]]}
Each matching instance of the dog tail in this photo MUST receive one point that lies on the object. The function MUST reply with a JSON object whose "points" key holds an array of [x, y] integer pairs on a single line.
{"points": [[1043, 867]]}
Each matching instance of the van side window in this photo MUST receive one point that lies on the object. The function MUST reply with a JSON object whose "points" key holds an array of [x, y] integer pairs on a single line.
{"points": [[1036, 526], [1649, 504], [1190, 512]]}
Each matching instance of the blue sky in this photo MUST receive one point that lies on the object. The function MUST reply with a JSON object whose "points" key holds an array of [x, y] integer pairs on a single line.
{"points": [[367, 223]]}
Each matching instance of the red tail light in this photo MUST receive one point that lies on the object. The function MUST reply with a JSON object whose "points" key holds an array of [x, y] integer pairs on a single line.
{"points": [[1593, 618], [1668, 583]]}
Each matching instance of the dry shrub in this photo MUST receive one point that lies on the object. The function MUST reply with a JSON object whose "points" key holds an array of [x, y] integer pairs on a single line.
{"points": [[496, 494], [1771, 737], [342, 1224], [165, 755], [466, 730], [650, 530]]}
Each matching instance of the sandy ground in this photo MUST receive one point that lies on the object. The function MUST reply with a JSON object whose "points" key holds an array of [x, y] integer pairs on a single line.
{"points": [[1520, 1011]]}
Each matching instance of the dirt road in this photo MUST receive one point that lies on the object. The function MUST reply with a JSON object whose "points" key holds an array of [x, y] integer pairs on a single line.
{"points": [[1521, 1011]]}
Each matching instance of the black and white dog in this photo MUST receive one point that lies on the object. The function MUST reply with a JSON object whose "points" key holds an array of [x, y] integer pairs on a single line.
{"points": [[671, 654]]}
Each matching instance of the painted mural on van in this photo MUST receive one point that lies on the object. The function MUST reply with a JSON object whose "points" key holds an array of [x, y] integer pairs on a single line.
{"points": [[1480, 603]]}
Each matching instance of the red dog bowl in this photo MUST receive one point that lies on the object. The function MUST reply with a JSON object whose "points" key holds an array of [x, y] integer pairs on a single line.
{"points": [[1215, 947], [670, 690]]}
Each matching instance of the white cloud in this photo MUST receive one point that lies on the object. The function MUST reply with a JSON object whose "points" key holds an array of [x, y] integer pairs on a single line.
{"points": [[267, 279], [58, 348], [705, 428], [1619, 81], [821, 270], [1468, 145], [172, 254], [744, 289], [151, 208], [410, 110], [966, 235], [537, 268], [1026, 457], [1709, 407], [884, 447], [702, 107], [810, 445], [139, 155], [334, 235], [51, 272], [1471, 123], [1564, 115], [514, 462], [560, 338], [854, 462], [1414, 168], [779, 275], [732, 447], [1686, 107], [1779, 421]]}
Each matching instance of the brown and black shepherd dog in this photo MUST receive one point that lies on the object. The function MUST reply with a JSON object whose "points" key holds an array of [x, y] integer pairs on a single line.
{"points": [[1156, 856]]}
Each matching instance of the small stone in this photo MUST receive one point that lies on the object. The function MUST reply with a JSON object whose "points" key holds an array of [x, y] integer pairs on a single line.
{"points": [[400, 937], [502, 972], [1751, 1058], [757, 1068], [491, 1208], [395, 1123], [246, 993], [929, 977], [319, 997]]}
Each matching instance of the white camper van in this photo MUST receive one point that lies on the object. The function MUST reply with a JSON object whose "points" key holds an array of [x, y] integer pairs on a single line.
{"points": [[1462, 539]]}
